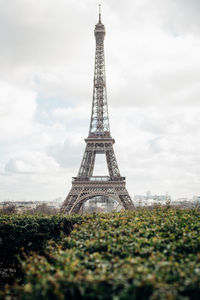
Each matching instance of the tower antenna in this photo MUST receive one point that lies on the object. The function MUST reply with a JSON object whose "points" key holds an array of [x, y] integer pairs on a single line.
{"points": [[99, 13]]}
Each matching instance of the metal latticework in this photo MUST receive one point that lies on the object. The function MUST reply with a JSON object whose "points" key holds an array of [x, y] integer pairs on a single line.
{"points": [[99, 125], [86, 186]]}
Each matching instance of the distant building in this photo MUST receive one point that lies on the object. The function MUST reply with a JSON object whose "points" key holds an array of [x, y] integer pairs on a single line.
{"points": [[196, 200], [149, 199], [187, 203], [23, 205]]}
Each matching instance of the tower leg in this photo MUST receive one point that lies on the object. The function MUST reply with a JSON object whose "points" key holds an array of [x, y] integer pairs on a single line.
{"points": [[112, 163], [69, 202], [127, 202]]}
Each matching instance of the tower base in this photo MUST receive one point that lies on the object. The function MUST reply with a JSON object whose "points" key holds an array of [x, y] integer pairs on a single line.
{"points": [[84, 189]]}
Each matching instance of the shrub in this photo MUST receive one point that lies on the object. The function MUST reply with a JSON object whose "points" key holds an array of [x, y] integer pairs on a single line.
{"points": [[130, 255], [28, 233]]}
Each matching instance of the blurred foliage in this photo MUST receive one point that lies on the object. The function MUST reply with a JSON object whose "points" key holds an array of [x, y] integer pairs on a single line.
{"points": [[20, 234], [144, 254]]}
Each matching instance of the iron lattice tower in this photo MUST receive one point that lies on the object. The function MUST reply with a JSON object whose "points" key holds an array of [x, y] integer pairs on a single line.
{"points": [[86, 186]]}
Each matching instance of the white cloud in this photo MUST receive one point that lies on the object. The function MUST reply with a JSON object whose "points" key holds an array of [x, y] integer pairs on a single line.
{"points": [[33, 163], [160, 151], [72, 113], [17, 109], [153, 70], [33, 176]]}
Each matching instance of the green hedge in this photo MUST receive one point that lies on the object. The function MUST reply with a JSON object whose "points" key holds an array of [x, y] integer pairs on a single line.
{"points": [[27, 233], [129, 255]]}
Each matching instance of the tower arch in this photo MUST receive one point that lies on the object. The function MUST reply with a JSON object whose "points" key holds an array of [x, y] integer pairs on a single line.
{"points": [[80, 202]]}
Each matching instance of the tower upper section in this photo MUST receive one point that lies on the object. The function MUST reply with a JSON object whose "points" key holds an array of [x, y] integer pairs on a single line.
{"points": [[99, 31], [99, 124]]}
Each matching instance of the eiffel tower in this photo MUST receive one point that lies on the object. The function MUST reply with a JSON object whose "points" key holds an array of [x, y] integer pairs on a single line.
{"points": [[86, 186]]}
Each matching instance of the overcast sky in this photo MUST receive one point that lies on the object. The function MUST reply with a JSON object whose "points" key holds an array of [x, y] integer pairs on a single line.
{"points": [[152, 51]]}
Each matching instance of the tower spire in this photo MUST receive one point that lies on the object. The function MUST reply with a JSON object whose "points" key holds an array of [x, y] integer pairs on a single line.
{"points": [[99, 13]]}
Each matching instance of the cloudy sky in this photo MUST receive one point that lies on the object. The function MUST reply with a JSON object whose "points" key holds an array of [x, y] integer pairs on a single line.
{"points": [[153, 80]]}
